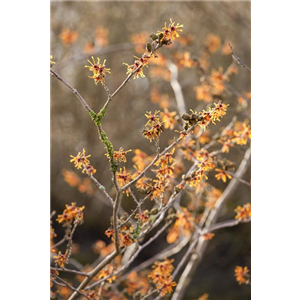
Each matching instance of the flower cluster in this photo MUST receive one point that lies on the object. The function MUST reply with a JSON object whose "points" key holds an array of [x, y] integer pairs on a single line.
{"points": [[205, 164], [241, 275], [183, 225], [98, 69], [166, 166], [120, 155], [206, 116], [107, 271], [71, 212], [242, 135], [168, 118], [161, 276], [239, 135], [125, 234], [163, 37], [84, 185], [137, 67], [154, 126], [143, 217], [123, 177], [81, 161], [243, 213], [137, 282], [61, 259]]}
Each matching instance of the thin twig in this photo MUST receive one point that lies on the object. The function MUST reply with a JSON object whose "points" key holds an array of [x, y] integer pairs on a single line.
{"points": [[74, 91], [237, 59]]}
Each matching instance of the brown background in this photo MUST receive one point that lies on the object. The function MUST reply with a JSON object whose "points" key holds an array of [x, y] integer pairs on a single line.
{"points": [[275, 30]]}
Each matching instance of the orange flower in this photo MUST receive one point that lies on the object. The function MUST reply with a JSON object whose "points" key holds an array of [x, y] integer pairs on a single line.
{"points": [[203, 92], [154, 126], [168, 118], [106, 272], [243, 213], [101, 35], [61, 259], [242, 136], [183, 225], [70, 213], [242, 275], [222, 174], [216, 79], [204, 137], [226, 50], [139, 40], [208, 236], [71, 178], [68, 37], [204, 297], [226, 145], [213, 43], [162, 100], [167, 286], [137, 282], [89, 48], [123, 177], [143, 216], [152, 118], [161, 276], [185, 60], [120, 155]]}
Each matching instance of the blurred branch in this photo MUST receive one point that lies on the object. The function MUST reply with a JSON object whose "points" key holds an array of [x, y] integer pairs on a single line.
{"points": [[176, 88], [195, 259], [237, 59]]}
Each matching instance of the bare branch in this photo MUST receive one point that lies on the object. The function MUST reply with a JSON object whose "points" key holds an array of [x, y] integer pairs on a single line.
{"points": [[237, 59]]}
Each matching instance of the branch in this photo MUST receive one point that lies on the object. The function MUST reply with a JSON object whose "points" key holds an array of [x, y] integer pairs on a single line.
{"points": [[74, 91], [176, 88], [195, 259], [237, 59]]}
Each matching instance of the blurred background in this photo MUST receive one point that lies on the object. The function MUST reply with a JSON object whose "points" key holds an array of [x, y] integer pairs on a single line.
{"points": [[116, 31]]}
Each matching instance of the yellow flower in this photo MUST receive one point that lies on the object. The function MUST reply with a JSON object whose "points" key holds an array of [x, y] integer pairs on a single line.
{"points": [[243, 213], [203, 92], [123, 177], [152, 118], [51, 61], [61, 259], [120, 155], [242, 275], [222, 175], [97, 68], [168, 118], [137, 67], [70, 213], [172, 30], [81, 160]]}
